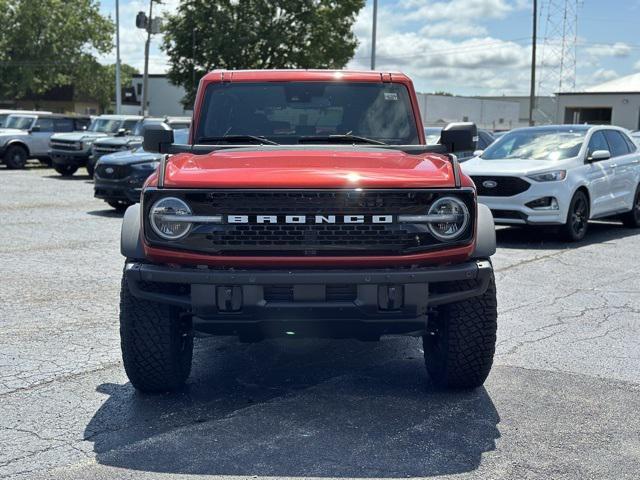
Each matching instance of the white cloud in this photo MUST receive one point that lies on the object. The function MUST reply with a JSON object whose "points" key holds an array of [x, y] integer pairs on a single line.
{"points": [[604, 75], [618, 49], [431, 55], [132, 39], [456, 9]]}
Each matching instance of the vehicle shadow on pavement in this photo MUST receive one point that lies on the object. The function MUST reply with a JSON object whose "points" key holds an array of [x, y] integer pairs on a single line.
{"points": [[542, 238], [298, 408], [107, 213], [76, 177]]}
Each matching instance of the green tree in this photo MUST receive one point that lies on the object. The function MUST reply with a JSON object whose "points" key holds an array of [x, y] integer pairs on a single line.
{"points": [[98, 81], [49, 43], [208, 34]]}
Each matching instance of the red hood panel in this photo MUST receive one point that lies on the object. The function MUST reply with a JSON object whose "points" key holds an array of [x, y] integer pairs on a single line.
{"points": [[322, 168]]}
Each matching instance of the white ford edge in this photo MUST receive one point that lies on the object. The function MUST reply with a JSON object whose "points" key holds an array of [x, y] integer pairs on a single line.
{"points": [[560, 175]]}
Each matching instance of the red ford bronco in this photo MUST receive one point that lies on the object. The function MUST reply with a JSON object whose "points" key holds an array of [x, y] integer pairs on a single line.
{"points": [[307, 204]]}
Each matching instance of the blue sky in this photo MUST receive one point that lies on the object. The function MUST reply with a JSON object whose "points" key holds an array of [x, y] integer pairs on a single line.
{"points": [[465, 47]]}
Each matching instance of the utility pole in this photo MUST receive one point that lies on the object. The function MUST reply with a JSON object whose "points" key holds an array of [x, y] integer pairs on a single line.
{"points": [[532, 92], [118, 86], [373, 34], [145, 78]]}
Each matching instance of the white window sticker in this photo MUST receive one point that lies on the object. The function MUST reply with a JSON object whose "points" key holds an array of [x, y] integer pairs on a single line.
{"points": [[390, 96]]}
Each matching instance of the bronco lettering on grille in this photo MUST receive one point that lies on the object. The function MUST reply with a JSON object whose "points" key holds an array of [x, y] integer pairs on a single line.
{"points": [[314, 219]]}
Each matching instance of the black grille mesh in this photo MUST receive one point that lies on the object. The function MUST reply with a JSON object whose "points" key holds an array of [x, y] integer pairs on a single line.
{"points": [[112, 172], [505, 186]]}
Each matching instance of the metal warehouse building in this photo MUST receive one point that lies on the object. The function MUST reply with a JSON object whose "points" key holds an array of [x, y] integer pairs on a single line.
{"points": [[612, 103]]}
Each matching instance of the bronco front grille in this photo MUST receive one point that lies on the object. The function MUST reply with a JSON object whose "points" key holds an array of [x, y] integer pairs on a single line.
{"points": [[498, 186], [310, 238], [64, 145]]}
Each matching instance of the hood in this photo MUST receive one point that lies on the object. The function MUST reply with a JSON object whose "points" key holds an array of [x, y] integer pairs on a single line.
{"points": [[129, 157], [117, 141], [516, 166], [77, 136], [12, 132], [347, 167]]}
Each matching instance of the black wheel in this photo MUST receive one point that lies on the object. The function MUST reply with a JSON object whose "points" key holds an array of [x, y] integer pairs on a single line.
{"points": [[65, 170], [16, 156], [461, 339], [632, 219], [157, 343], [119, 206], [90, 168], [577, 223]]}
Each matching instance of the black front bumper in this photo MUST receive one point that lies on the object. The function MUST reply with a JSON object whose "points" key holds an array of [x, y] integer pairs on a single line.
{"points": [[126, 189], [224, 301], [69, 157]]}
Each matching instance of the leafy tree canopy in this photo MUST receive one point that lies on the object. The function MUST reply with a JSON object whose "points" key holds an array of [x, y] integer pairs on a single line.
{"points": [[207, 34], [49, 43], [98, 81]]}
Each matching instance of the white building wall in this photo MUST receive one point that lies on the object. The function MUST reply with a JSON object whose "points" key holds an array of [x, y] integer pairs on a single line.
{"points": [[625, 107], [164, 98], [438, 110]]}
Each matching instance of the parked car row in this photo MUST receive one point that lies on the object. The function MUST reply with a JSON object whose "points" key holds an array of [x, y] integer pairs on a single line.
{"points": [[26, 135], [119, 176]]}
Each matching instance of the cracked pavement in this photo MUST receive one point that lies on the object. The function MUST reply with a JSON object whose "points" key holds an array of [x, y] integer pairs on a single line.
{"points": [[561, 401]]}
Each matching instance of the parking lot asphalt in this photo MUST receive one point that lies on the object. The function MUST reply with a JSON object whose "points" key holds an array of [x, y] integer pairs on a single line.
{"points": [[562, 401]]}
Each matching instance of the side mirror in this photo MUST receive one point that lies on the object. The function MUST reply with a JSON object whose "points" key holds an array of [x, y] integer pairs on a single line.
{"points": [[599, 155], [459, 137], [157, 138], [477, 153], [34, 129], [121, 132]]}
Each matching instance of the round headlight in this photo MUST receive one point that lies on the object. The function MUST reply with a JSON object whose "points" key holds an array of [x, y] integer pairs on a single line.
{"points": [[164, 217], [455, 217]]}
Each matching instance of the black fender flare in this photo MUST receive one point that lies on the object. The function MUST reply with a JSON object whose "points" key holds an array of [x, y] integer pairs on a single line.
{"points": [[486, 234], [130, 236]]}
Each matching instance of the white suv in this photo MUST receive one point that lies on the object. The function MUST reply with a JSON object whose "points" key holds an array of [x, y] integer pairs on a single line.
{"points": [[560, 175]]}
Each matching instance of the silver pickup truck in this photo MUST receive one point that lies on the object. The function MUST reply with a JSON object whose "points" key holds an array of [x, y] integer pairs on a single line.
{"points": [[26, 135], [71, 151]]}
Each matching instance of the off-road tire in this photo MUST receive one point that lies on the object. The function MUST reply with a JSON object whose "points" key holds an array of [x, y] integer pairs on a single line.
{"points": [[16, 157], [461, 338], [632, 219], [577, 224], [65, 170], [157, 345]]}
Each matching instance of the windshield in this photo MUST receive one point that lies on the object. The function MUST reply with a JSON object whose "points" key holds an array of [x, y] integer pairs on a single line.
{"points": [[287, 112], [538, 144], [19, 121], [110, 125]]}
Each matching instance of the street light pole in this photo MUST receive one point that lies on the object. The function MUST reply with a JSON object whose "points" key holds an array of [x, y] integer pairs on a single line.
{"points": [[145, 78], [118, 86], [373, 34], [534, 41]]}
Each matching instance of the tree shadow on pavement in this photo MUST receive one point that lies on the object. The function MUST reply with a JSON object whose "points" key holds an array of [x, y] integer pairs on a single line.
{"points": [[298, 408], [547, 238]]}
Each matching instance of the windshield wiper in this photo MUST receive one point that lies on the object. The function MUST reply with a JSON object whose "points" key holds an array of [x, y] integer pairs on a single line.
{"points": [[346, 138], [237, 139]]}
